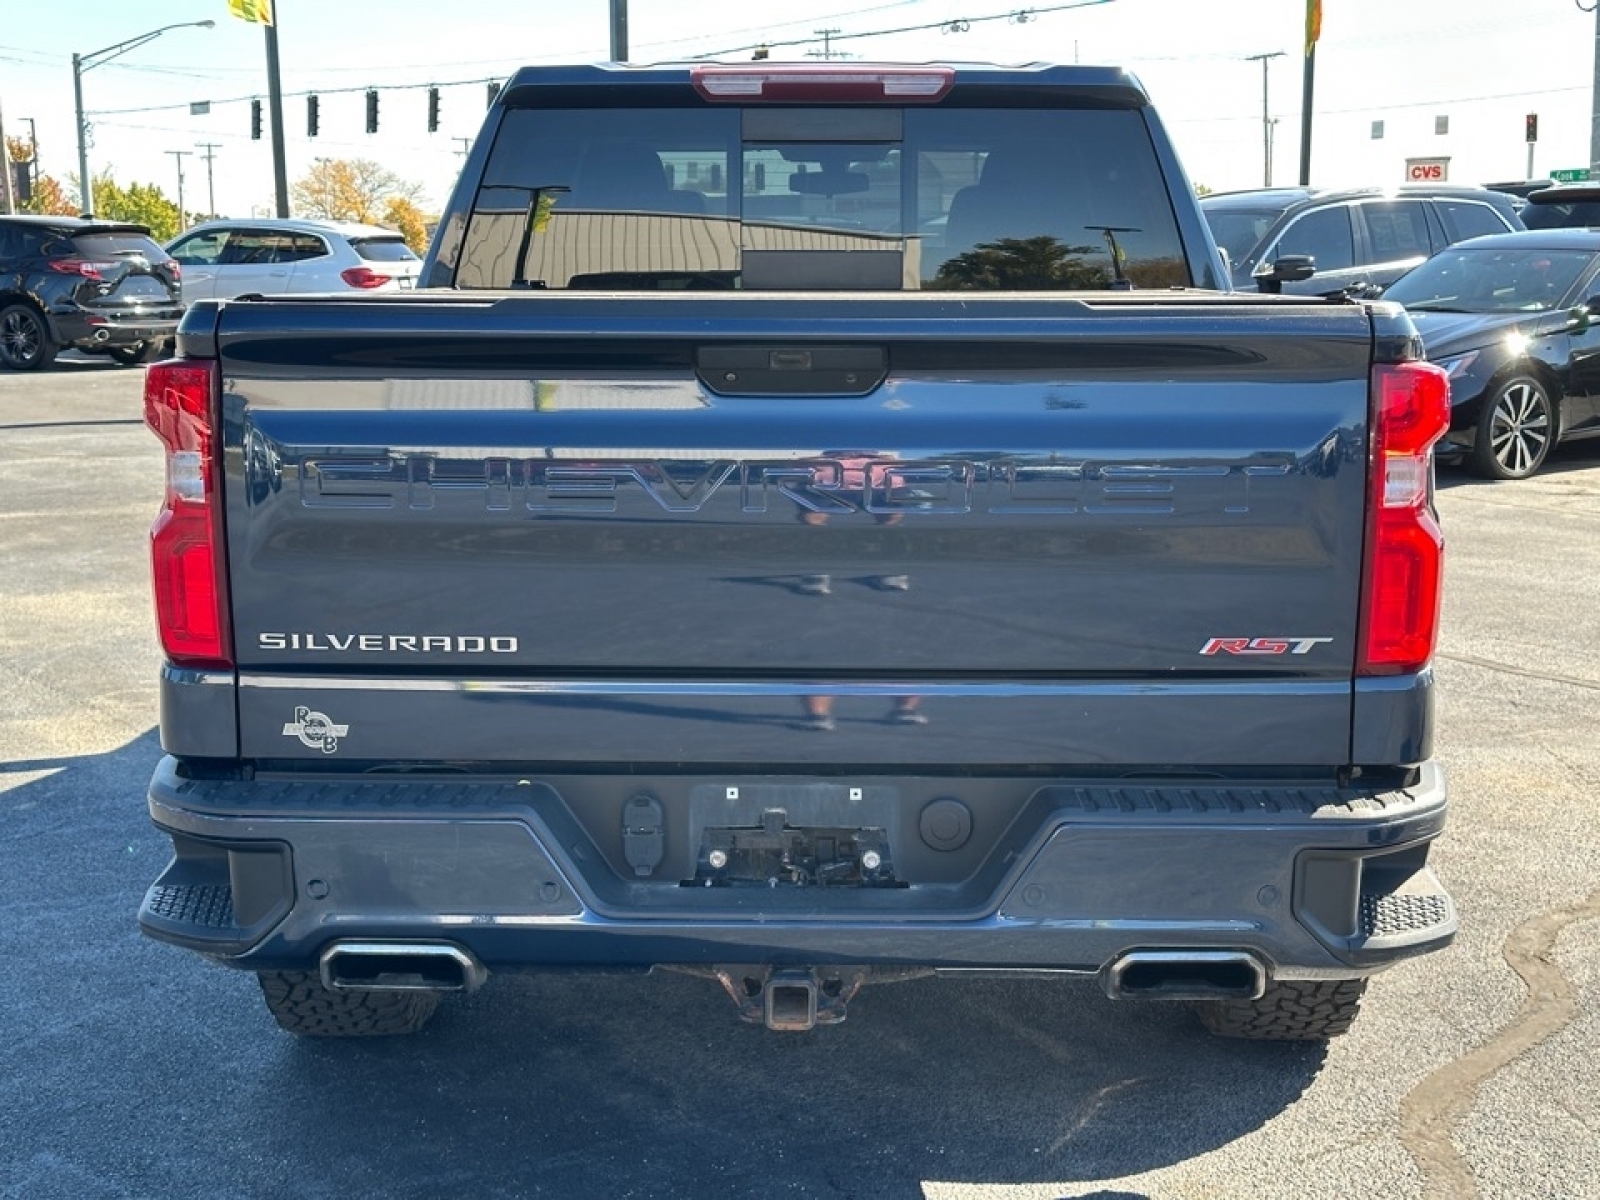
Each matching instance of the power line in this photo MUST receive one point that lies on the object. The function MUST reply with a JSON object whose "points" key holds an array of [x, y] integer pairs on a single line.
{"points": [[838, 16], [1018, 16], [1367, 109]]}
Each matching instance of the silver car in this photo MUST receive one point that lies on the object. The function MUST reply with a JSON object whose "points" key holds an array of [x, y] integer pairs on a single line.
{"points": [[227, 258]]}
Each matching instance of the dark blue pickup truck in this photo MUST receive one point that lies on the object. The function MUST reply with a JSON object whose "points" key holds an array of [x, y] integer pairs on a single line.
{"points": [[817, 524]]}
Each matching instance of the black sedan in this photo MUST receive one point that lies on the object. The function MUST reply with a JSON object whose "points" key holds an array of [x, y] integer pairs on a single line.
{"points": [[1515, 320]]}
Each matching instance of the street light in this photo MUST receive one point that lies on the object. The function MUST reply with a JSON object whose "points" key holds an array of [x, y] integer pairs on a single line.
{"points": [[87, 62]]}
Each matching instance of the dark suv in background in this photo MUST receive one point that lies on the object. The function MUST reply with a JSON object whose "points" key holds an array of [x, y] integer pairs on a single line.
{"points": [[101, 287], [1314, 242], [1570, 206]]}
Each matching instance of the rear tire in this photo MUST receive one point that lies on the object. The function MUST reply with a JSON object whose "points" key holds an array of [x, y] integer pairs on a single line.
{"points": [[25, 342], [1289, 1011], [303, 1006]]}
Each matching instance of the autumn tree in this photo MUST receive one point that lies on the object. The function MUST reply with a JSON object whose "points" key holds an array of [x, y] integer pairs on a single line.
{"points": [[50, 199], [138, 204], [351, 189], [403, 214]]}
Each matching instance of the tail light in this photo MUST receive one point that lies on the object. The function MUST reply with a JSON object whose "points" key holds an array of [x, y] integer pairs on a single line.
{"points": [[363, 277], [88, 268], [181, 399], [1403, 572]]}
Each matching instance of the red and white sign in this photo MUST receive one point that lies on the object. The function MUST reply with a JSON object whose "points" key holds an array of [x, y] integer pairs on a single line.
{"points": [[1427, 170]]}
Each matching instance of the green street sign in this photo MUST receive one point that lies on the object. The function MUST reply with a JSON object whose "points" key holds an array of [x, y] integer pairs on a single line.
{"points": [[1573, 175]]}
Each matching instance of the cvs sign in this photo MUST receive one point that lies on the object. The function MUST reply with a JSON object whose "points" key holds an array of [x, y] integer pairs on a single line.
{"points": [[1427, 170]]}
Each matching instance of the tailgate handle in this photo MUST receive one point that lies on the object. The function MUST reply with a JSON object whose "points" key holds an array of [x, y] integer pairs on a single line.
{"points": [[789, 370]]}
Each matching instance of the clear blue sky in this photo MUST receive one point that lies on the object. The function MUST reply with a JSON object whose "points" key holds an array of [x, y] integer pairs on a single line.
{"points": [[1483, 64]]}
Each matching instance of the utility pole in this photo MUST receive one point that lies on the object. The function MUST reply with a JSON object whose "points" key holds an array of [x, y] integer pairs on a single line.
{"points": [[5, 169], [85, 188], [180, 155], [827, 52], [210, 149], [619, 30], [1594, 111], [1266, 117], [1308, 86], [280, 170]]}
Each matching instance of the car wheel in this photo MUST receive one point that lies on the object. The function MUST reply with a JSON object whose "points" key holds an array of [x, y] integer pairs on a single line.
{"points": [[1288, 1011], [1515, 429], [302, 1005], [25, 343], [128, 356]]}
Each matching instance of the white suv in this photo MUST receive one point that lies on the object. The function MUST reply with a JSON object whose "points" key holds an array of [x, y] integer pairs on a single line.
{"points": [[223, 259]]}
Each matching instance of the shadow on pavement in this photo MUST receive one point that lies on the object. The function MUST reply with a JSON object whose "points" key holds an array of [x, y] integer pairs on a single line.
{"points": [[148, 1071], [1566, 458]]}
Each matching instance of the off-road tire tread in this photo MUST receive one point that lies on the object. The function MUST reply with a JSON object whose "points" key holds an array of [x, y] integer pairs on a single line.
{"points": [[303, 1006], [1289, 1011]]}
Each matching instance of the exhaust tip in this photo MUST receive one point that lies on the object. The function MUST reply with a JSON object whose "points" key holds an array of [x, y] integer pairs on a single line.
{"points": [[401, 967], [1186, 975]]}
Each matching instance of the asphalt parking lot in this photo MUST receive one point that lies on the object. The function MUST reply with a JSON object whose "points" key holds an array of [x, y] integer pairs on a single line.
{"points": [[132, 1069]]}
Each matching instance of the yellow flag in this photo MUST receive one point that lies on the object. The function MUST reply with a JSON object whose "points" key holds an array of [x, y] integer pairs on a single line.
{"points": [[257, 12], [1313, 23]]}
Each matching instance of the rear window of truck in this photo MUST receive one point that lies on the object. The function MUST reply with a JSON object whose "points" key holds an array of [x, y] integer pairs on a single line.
{"points": [[955, 199]]}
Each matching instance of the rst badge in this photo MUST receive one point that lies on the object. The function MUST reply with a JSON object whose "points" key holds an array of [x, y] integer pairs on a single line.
{"points": [[1262, 645]]}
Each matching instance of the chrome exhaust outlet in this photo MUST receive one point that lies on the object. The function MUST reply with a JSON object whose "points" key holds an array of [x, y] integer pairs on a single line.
{"points": [[101, 335], [1185, 975], [401, 967]]}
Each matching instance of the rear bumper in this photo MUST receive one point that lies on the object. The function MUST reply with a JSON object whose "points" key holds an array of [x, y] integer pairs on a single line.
{"points": [[115, 327], [1315, 882]]}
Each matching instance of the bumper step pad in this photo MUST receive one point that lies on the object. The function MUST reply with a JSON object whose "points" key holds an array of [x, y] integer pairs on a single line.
{"points": [[192, 914], [1407, 916], [207, 905]]}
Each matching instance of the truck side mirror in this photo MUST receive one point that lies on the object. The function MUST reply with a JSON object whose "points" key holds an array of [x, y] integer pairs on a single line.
{"points": [[1290, 268]]}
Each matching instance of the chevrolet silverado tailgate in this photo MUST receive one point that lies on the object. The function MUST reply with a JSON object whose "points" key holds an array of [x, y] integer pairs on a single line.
{"points": [[526, 526]]}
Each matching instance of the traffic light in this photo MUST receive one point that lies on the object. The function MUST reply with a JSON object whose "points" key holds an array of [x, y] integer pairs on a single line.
{"points": [[433, 110], [255, 120], [313, 116], [372, 110], [1532, 122], [494, 93]]}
